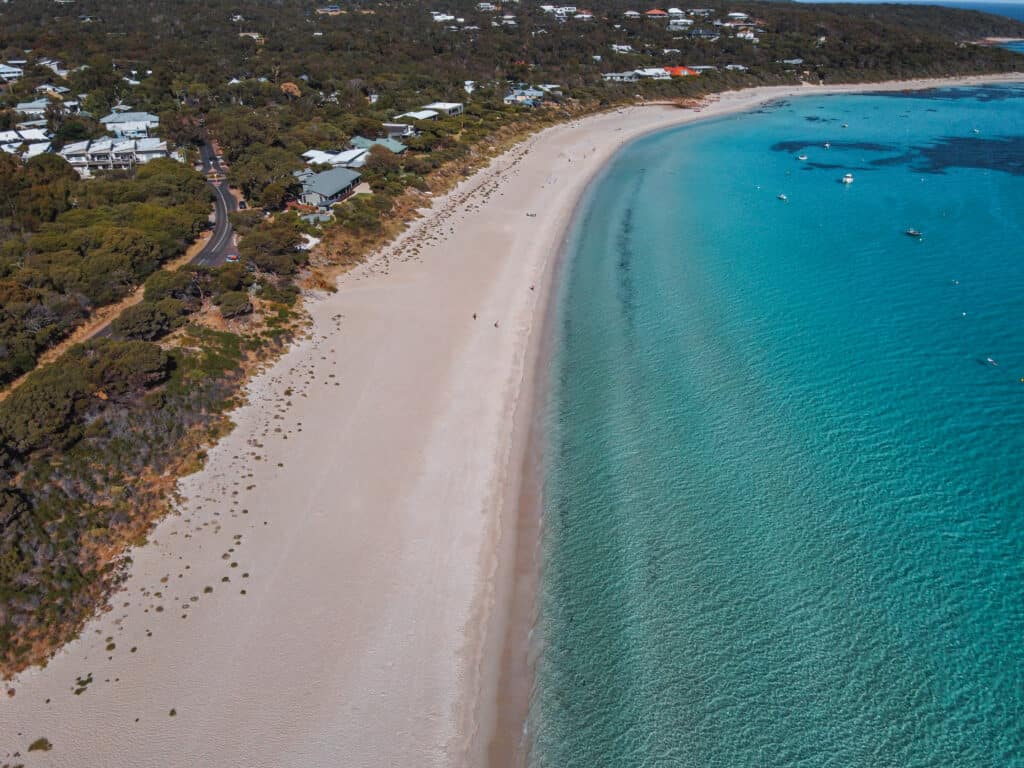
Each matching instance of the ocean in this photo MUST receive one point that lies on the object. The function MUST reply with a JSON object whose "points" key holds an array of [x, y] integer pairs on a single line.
{"points": [[784, 497]]}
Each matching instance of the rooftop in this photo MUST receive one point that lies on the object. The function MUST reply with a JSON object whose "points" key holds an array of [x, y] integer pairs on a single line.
{"points": [[329, 183]]}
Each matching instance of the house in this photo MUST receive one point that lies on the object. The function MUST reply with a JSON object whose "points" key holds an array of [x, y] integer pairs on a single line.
{"points": [[35, 108], [699, 11], [656, 13], [131, 125], [620, 77], [329, 10], [25, 143], [652, 73], [736, 68], [422, 114], [349, 158], [9, 73], [54, 66], [329, 187], [618, 48], [631, 15], [393, 146], [737, 16], [253, 35], [527, 97], [446, 108], [87, 157], [702, 68], [681, 72], [675, 13], [748, 35], [398, 130], [678, 25], [704, 34], [793, 62], [584, 16], [486, 7], [52, 90]]}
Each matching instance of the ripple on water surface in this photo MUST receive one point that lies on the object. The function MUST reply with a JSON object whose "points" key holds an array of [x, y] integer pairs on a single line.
{"points": [[783, 488]]}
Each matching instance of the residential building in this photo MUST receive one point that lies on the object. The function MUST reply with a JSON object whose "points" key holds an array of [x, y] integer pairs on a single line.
{"points": [[447, 108], [621, 48], [323, 190], [656, 13], [422, 114], [653, 73], [398, 130], [681, 71], [620, 77], [393, 146], [52, 90], [130, 125], [25, 143], [35, 108], [9, 73], [349, 158], [632, 14], [736, 67], [88, 157], [527, 97], [680, 24]]}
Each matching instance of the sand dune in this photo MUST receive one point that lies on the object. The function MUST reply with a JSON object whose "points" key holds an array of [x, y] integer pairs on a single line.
{"points": [[333, 592]]}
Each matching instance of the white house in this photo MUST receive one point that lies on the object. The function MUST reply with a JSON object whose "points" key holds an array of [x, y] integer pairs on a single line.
{"points": [[349, 158], [130, 124], [422, 114], [26, 143], [736, 67], [54, 66], [10, 73], [653, 73], [620, 77], [447, 108], [87, 157], [631, 15], [622, 48], [678, 25], [35, 108]]}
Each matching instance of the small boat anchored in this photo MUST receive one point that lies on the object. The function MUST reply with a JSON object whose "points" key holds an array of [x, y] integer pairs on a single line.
{"points": [[915, 233], [783, 198], [801, 157], [827, 145], [847, 179]]}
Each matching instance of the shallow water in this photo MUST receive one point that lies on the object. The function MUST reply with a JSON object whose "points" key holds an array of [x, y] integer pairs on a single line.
{"points": [[783, 485]]}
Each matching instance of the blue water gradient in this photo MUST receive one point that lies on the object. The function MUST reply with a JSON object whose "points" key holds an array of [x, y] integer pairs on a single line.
{"points": [[784, 494]]}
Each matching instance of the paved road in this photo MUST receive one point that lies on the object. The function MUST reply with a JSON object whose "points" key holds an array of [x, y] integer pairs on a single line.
{"points": [[222, 241]]}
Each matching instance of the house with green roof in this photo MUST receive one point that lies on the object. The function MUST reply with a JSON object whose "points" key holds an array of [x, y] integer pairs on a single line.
{"points": [[392, 145], [325, 189]]}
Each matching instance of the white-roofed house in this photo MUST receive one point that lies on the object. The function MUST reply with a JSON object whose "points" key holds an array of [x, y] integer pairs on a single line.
{"points": [[87, 157], [447, 108], [130, 124], [35, 108], [9, 73], [349, 158], [422, 114]]}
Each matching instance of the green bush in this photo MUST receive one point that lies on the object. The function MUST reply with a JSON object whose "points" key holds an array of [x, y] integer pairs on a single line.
{"points": [[234, 304]]}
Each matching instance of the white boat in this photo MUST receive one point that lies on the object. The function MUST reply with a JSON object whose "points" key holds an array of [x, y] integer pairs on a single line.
{"points": [[915, 232], [801, 157], [827, 145], [846, 125], [847, 179], [783, 198]]}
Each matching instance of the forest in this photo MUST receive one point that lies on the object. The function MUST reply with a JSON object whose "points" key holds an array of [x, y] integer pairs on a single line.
{"points": [[91, 441]]}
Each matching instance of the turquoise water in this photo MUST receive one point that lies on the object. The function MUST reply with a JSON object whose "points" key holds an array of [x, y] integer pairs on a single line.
{"points": [[784, 491]]}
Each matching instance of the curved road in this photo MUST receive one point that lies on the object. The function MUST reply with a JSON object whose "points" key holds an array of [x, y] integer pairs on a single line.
{"points": [[222, 241]]}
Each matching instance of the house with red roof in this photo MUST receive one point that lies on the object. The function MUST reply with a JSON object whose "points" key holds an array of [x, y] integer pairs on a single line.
{"points": [[681, 72], [656, 13]]}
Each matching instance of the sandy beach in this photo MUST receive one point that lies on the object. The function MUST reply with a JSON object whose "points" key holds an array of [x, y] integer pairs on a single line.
{"points": [[336, 587]]}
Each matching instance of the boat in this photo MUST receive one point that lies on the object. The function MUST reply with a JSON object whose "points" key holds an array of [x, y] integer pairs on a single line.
{"points": [[801, 157], [990, 361], [782, 197], [846, 125], [975, 130], [915, 232], [827, 145], [847, 179]]}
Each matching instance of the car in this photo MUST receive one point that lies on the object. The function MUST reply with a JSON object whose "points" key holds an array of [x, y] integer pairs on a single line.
{"points": [[232, 258]]}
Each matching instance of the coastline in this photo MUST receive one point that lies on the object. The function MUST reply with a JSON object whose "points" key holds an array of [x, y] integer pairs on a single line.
{"points": [[377, 625]]}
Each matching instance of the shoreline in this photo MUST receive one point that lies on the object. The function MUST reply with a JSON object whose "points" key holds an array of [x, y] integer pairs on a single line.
{"points": [[517, 657], [364, 530]]}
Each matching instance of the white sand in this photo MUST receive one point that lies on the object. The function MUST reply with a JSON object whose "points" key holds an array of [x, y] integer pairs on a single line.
{"points": [[373, 619]]}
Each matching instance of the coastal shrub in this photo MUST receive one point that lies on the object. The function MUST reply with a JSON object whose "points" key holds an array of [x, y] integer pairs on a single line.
{"points": [[148, 321], [234, 304]]}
